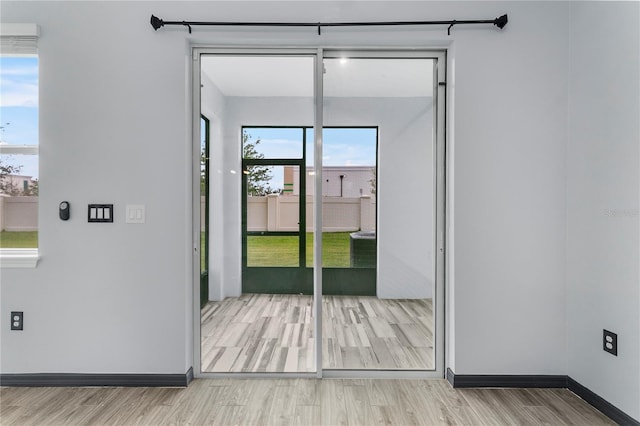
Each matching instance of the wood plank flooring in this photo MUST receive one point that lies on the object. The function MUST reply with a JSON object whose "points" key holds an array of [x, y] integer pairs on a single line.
{"points": [[364, 332], [274, 333], [296, 402]]}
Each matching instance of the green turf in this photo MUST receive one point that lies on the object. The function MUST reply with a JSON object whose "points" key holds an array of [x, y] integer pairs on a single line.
{"points": [[19, 239], [284, 250], [203, 262], [335, 249]]}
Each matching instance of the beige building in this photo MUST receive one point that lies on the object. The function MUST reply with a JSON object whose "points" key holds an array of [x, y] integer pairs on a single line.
{"points": [[17, 184], [337, 181]]}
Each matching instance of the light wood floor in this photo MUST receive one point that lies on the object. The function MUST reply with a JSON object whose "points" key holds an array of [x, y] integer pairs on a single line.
{"points": [[296, 402], [274, 333]]}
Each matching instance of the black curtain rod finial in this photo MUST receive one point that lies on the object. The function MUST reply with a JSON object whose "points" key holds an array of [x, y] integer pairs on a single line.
{"points": [[501, 21], [156, 22]]}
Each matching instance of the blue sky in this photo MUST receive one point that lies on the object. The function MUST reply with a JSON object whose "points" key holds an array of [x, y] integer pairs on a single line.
{"points": [[19, 108], [340, 146]]}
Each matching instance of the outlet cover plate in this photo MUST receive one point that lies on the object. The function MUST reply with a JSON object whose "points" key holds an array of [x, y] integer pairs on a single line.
{"points": [[17, 320], [610, 342]]}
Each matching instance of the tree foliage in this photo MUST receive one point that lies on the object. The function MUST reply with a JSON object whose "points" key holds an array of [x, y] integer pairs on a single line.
{"points": [[33, 189], [6, 185], [373, 181], [258, 177], [203, 173]]}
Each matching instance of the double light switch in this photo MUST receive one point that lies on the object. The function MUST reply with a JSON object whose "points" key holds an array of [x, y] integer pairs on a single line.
{"points": [[135, 213]]}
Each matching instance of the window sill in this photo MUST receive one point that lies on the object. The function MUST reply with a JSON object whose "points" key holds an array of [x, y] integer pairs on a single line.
{"points": [[19, 258]]}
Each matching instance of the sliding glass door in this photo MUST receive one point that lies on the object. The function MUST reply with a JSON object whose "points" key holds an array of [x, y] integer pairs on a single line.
{"points": [[259, 317], [325, 250], [392, 327]]}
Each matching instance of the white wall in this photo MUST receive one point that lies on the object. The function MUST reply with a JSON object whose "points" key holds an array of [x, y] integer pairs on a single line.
{"points": [[116, 100], [213, 107], [106, 298], [114, 96], [603, 184], [509, 94]]}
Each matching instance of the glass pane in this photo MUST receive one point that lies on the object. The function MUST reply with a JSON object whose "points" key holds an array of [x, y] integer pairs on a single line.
{"points": [[19, 180], [272, 142], [384, 320], [262, 181], [204, 183], [349, 209], [19, 186], [272, 250], [260, 320], [273, 206]]}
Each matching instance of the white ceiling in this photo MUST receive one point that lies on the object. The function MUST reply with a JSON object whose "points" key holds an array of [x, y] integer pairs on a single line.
{"points": [[264, 76]]}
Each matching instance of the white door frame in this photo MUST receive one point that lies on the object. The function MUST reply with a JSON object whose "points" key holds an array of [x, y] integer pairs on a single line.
{"points": [[440, 72]]}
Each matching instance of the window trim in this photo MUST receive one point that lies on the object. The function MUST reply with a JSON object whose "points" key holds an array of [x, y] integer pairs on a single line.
{"points": [[7, 149], [19, 258], [19, 39]]}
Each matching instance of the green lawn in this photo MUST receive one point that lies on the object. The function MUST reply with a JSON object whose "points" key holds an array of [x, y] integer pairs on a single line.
{"points": [[262, 250], [284, 250], [18, 239], [335, 249]]}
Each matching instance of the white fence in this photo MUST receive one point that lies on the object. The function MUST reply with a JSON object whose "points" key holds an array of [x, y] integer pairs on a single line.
{"points": [[18, 213], [281, 212]]}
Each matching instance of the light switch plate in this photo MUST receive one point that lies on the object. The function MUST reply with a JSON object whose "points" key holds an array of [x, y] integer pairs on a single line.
{"points": [[135, 213], [100, 213]]}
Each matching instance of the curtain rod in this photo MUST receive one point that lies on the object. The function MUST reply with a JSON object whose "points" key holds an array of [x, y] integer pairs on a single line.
{"points": [[499, 22]]}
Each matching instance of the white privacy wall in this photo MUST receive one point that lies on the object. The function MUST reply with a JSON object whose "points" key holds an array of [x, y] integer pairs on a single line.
{"points": [[115, 127], [603, 185]]}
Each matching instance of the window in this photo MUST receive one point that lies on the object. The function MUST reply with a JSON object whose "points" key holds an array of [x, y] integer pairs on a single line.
{"points": [[348, 194], [19, 161]]}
